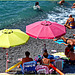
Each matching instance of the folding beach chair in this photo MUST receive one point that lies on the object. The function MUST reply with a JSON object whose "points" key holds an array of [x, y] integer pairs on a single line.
{"points": [[29, 67]]}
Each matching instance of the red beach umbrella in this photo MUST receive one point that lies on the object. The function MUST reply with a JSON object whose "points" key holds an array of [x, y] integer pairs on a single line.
{"points": [[45, 30]]}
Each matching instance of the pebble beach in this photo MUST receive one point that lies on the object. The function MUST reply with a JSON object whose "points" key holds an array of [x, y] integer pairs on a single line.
{"points": [[18, 17], [34, 46]]}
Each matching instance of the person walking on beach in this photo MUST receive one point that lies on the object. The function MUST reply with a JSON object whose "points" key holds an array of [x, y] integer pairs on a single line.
{"points": [[67, 41], [70, 23]]}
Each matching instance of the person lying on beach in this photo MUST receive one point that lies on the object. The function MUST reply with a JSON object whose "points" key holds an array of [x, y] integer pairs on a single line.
{"points": [[70, 23], [61, 2], [37, 6], [71, 55], [45, 61], [26, 59], [73, 5], [67, 41]]}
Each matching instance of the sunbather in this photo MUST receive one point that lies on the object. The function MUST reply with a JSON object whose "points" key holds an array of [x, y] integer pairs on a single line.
{"points": [[67, 49], [26, 59], [45, 61], [71, 55], [70, 23], [67, 41]]}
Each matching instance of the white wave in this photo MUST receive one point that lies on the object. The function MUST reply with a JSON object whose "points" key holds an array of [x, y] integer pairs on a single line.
{"points": [[62, 16]]}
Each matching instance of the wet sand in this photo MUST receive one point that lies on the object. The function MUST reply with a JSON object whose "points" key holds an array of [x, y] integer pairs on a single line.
{"points": [[34, 46]]}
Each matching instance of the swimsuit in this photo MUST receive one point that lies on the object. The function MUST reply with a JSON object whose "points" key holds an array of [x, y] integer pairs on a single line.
{"points": [[66, 41], [72, 61], [70, 21], [72, 27]]}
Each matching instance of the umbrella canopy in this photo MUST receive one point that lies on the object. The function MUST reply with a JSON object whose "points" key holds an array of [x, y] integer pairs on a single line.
{"points": [[45, 30], [12, 37]]}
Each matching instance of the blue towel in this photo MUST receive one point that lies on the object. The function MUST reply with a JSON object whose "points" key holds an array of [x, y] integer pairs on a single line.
{"points": [[61, 41]]}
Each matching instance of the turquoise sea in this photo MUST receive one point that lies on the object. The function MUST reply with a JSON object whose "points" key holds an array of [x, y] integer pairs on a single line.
{"points": [[18, 14]]}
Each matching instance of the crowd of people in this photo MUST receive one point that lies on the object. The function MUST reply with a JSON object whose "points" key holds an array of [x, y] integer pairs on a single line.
{"points": [[69, 51]]}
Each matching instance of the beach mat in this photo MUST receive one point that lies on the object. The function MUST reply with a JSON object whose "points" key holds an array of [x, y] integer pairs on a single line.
{"points": [[61, 41], [60, 54]]}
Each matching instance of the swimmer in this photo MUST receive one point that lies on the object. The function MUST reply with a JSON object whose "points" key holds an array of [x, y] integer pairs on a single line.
{"points": [[73, 5], [61, 2], [37, 6]]}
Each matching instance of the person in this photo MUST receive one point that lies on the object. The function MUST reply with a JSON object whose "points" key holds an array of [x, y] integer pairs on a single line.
{"points": [[66, 40], [67, 49], [70, 23], [71, 55], [45, 61], [37, 6], [26, 59], [44, 49], [61, 2], [73, 5]]}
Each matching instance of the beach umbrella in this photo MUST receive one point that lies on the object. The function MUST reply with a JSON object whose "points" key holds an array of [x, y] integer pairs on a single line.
{"points": [[45, 30], [12, 38]]}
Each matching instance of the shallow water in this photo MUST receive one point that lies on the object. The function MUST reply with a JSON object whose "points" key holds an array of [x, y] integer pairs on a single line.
{"points": [[18, 14]]}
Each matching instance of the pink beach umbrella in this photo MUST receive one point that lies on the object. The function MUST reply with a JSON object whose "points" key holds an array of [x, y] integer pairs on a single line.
{"points": [[45, 30]]}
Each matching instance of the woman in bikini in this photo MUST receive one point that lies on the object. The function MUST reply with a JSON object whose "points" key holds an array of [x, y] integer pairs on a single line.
{"points": [[70, 23], [45, 61]]}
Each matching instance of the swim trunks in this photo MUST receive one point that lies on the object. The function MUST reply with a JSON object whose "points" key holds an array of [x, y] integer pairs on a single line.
{"points": [[72, 27], [66, 41]]}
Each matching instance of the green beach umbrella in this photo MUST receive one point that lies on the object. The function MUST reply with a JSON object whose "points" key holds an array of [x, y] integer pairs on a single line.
{"points": [[12, 38]]}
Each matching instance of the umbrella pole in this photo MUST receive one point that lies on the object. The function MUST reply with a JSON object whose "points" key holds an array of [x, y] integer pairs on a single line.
{"points": [[7, 59]]}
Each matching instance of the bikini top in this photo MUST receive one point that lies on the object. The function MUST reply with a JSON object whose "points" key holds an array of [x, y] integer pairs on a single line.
{"points": [[45, 64], [70, 21]]}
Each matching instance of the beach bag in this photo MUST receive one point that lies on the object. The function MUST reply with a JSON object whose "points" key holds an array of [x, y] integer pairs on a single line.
{"points": [[38, 58]]}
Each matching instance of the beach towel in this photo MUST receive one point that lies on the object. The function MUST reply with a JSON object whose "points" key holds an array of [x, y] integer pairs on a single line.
{"points": [[61, 41], [43, 69]]}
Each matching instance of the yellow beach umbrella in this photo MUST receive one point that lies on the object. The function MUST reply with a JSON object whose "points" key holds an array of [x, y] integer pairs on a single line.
{"points": [[12, 38]]}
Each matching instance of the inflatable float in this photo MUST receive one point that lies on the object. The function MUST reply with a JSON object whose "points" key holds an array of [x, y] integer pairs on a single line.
{"points": [[56, 69], [13, 66]]}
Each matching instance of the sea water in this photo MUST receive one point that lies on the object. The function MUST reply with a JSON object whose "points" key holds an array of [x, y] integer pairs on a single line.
{"points": [[19, 14]]}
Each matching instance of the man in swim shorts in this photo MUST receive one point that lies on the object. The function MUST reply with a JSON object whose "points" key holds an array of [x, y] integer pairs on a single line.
{"points": [[66, 40], [70, 23]]}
